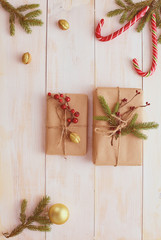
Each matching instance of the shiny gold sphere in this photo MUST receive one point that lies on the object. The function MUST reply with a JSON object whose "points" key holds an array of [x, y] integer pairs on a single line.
{"points": [[58, 213]]}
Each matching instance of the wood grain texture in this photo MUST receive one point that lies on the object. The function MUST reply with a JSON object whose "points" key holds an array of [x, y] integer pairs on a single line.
{"points": [[22, 122], [105, 203], [71, 70], [152, 154], [118, 190]]}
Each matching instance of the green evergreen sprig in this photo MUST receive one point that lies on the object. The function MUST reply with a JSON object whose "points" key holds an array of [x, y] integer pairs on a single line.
{"points": [[27, 223], [113, 118], [26, 20], [128, 9]]}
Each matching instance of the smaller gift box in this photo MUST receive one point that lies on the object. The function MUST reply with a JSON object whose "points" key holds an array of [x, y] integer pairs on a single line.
{"points": [[107, 150], [59, 128]]}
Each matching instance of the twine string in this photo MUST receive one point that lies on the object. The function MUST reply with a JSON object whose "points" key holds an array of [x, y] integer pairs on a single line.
{"points": [[107, 131]]}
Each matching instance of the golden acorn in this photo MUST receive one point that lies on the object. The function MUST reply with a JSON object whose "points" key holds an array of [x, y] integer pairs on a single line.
{"points": [[26, 58], [74, 137], [63, 24]]}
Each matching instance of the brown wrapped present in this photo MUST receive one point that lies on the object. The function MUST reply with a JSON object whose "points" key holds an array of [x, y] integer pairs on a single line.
{"points": [[57, 133], [125, 150]]}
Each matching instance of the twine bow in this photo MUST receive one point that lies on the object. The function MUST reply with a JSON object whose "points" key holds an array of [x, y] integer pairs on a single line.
{"points": [[110, 131]]}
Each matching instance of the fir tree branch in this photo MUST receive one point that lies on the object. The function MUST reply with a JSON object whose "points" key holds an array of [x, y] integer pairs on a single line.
{"points": [[17, 13], [128, 9], [27, 223]]}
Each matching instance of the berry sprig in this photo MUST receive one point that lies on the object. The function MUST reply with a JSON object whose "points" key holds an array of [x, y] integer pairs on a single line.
{"points": [[125, 101], [123, 123], [64, 104]]}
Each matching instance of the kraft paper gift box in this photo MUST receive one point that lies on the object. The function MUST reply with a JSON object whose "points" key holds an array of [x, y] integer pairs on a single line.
{"points": [[56, 143], [126, 150]]}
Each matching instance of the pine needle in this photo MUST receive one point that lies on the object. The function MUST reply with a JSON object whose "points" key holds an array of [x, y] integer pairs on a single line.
{"points": [[33, 14], [120, 3], [101, 118], [116, 108], [104, 105], [133, 120], [145, 125], [139, 134], [23, 209], [115, 12], [27, 7], [42, 204], [45, 228]]}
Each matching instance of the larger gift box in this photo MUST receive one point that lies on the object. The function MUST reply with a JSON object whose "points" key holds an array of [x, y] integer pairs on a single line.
{"points": [[126, 150], [57, 143]]}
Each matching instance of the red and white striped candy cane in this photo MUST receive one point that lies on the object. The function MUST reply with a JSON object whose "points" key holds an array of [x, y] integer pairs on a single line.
{"points": [[155, 51], [121, 30]]}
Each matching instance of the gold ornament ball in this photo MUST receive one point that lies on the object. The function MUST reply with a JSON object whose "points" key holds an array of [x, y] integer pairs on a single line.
{"points": [[26, 58], [63, 24], [58, 214], [74, 137]]}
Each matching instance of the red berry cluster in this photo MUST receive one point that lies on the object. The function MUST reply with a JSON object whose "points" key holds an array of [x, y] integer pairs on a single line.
{"points": [[64, 103]]}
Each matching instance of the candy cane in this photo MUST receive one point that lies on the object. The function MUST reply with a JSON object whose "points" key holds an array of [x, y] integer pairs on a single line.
{"points": [[155, 51], [121, 30]]}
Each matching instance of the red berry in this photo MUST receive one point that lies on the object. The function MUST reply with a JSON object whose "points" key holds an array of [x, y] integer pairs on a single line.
{"points": [[49, 93], [56, 96], [75, 120], [68, 107], [147, 103], [63, 106], [118, 114], [69, 120], [60, 100], [132, 108], [61, 95], [118, 132], [67, 99], [124, 100], [76, 114], [72, 111]]}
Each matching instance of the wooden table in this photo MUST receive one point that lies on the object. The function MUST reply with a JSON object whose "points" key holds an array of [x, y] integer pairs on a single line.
{"points": [[106, 203]]}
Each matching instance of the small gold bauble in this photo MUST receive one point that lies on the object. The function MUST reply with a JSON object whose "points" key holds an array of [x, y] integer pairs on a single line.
{"points": [[74, 137], [63, 24], [58, 213], [26, 58]]}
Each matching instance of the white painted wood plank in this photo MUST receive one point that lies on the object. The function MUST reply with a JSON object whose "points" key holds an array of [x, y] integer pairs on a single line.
{"points": [[22, 122], [71, 69], [118, 191], [152, 154]]}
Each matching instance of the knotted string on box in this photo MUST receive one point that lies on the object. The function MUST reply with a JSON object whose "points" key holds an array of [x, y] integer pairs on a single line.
{"points": [[122, 123]]}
